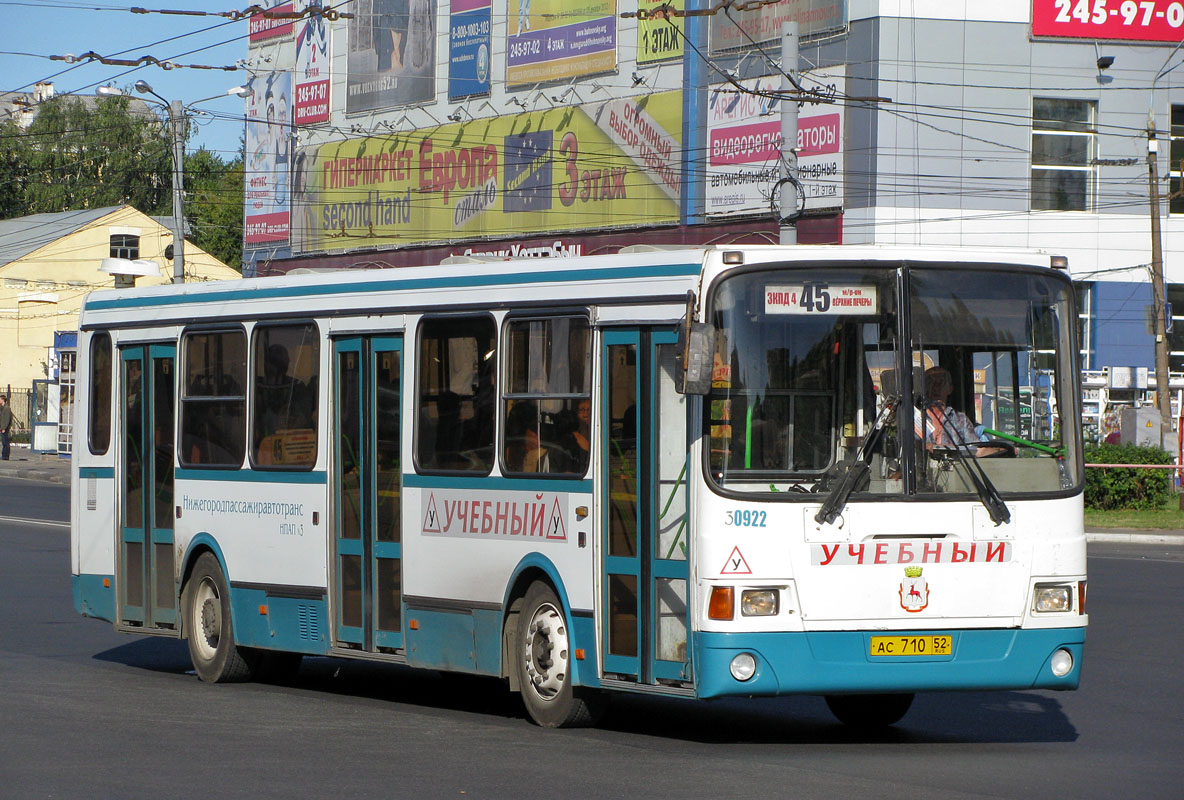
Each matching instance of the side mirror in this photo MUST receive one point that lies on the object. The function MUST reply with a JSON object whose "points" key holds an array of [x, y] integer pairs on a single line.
{"points": [[696, 347]]}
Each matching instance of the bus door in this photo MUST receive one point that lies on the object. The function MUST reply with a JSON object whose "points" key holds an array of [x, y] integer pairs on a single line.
{"points": [[367, 541], [147, 572], [643, 437]]}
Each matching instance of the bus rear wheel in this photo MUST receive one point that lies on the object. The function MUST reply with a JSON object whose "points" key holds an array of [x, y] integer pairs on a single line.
{"points": [[543, 662], [206, 602], [869, 710]]}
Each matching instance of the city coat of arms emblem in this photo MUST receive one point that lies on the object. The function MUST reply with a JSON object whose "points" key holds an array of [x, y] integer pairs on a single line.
{"points": [[914, 591]]}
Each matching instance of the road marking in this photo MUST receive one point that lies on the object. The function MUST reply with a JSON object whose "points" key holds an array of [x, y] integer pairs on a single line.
{"points": [[1133, 558], [46, 522]]}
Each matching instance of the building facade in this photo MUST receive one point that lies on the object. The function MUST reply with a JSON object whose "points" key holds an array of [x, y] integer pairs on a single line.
{"points": [[514, 126], [49, 263]]}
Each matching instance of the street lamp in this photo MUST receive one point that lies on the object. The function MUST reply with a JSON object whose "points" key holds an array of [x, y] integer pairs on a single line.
{"points": [[177, 115]]}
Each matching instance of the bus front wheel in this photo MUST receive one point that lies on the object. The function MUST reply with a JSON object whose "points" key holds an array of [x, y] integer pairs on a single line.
{"points": [[869, 710], [543, 661], [206, 600]]}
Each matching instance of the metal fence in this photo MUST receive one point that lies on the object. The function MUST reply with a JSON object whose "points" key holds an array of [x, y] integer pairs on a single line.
{"points": [[23, 411]]}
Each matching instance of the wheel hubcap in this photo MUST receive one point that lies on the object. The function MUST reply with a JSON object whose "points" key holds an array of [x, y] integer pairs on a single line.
{"points": [[546, 652], [207, 618]]}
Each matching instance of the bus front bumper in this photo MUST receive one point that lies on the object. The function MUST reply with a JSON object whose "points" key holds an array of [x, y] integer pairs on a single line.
{"points": [[839, 662]]}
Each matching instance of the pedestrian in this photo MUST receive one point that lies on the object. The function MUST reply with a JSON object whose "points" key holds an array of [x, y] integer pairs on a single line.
{"points": [[5, 426]]}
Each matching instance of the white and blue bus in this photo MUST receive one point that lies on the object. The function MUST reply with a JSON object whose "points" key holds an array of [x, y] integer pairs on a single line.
{"points": [[695, 472]]}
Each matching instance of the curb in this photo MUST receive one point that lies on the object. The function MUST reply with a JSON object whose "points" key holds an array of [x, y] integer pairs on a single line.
{"points": [[1128, 537]]}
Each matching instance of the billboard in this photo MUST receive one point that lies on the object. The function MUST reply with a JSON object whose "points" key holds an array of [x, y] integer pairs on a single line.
{"points": [[736, 30], [660, 36], [744, 145], [261, 29], [391, 59], [312, 67], [1125, 20], [573, 168], [268, 143], [469, 27], [546, 40]]}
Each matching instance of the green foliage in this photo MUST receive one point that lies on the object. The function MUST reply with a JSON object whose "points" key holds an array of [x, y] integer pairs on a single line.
{"points": [[1107, 488], [90, 155], [100, 152], [214, 206]]}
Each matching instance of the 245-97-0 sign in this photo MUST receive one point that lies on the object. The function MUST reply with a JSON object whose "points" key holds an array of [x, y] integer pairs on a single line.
{"points": [[1131, 20]]}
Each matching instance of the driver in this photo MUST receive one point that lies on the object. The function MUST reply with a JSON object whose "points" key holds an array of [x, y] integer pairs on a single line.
{"points": [[941, 424]]}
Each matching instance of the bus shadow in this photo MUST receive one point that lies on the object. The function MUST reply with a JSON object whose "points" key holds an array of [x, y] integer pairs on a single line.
{"points": [[155, 653], [971, 717], [951, 717]]}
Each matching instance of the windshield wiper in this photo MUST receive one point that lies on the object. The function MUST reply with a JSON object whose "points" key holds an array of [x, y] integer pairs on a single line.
{"points": [[987, 493], [857, 469]]}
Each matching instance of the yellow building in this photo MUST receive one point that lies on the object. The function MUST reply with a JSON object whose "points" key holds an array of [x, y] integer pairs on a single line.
{"points": [[50, 262]]}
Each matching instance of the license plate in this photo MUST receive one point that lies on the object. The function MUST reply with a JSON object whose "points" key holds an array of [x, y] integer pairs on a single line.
{"points": [[911, 646]]}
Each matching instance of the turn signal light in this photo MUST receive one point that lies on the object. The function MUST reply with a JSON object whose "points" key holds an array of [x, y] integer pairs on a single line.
{"points": [[721, 603], [1081, 598]]}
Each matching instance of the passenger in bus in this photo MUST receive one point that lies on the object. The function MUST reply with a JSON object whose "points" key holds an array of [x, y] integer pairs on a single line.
{"points": [[574, 433], [940, 424], [524, 448]]}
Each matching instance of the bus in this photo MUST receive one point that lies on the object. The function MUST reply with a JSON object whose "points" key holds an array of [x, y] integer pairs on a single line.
{"points": [[695, 472]]}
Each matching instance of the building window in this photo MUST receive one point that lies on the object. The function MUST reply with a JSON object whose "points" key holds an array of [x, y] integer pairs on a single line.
{"points": [[1085, 314], [1063, 149], [1176, 162], [125, 245]]}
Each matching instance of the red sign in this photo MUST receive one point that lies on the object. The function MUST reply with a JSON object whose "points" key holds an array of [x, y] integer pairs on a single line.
{"points": [[1129, 20], [818, 135], [263, 228], [312, 102], [261, 28]]}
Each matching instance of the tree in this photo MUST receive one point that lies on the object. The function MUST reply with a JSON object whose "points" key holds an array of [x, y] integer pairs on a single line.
{"points": [[214, 206], [103, 151], [90, 154]]}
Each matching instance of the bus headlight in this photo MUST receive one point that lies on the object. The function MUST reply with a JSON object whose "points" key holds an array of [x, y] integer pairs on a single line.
{"points": [[743, 666], [759, 602], [1062, 663], [1052, 598]]}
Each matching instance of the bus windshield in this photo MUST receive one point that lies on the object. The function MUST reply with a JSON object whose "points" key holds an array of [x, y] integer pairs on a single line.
{"points": [[807, 359]]}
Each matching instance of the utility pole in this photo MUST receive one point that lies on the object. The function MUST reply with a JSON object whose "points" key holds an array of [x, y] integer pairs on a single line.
{"points": [[788, 170], [1157, 289], [177, 128]]}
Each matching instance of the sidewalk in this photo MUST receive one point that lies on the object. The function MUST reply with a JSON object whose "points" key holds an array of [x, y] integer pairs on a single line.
{"points": [[48, 467], [52, 468]]}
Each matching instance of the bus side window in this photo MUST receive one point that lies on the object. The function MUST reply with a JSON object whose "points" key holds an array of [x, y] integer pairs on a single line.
{"points": [[213, 407], [457, 359], [100, 394], [546, 392], [283, 425]]}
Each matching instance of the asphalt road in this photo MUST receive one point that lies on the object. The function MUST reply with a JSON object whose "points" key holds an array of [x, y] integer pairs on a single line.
{"points": [[91, 713]]}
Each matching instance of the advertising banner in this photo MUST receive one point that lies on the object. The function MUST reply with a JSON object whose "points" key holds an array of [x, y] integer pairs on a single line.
{"points": [[468, 48], [312, 67], [548, 41], [736, 30], [659, 37], [744, 145], [268, 151], [391, 59], [262, 29], [1120, 20], [598, 165]]}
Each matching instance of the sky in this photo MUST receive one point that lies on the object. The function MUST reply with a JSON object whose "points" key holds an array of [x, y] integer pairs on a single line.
{"points": [[34, 30]]}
